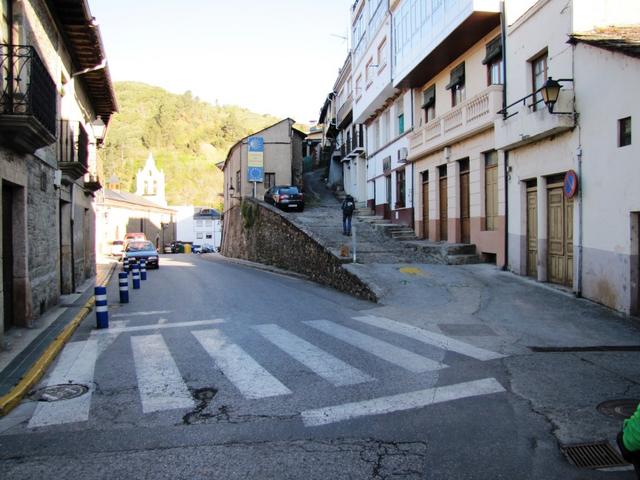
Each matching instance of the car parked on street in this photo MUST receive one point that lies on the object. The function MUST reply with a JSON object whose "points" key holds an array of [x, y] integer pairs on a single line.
{"points": [[116, 248], [142, 250], [285, 197]]}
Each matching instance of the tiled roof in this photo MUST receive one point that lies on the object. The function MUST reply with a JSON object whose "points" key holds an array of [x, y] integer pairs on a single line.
{"points": [[620, 38], [132, 199]]}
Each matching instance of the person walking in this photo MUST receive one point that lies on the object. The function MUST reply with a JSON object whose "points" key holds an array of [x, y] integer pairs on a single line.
{"points": [[629, 440], [348, 206]]}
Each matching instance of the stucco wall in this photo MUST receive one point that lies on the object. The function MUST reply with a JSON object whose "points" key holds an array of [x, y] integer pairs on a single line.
{"points": [[265, 239]]}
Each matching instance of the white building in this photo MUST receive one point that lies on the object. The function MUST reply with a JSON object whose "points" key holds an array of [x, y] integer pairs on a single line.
{"points": [[150, 182], [584, 238], [199, 225]]}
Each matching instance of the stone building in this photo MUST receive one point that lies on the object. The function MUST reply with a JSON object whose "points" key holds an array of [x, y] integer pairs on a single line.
{"points": [[281, 149], [57, 99]]}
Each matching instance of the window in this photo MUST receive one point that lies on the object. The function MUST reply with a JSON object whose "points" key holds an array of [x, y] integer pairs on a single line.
{"points": [[367, 73], [624, 132], [538, 76], [208, 235], [400, 188], [375, 133], [358, 87], [269, 180], [385, 126], [199, 235], [491, 190], [199, 223], [399, 130], [5, 25], [382, 55], [429, 103], [456, 85], [493, 61]]}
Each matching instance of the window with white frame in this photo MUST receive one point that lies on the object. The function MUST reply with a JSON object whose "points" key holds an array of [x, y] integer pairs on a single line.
{"points": [[399, 124], [385, 127], [368, 74], [358, 86], [429, 103], [493, 61], [456, 85], [375, 134], [539, 72], [382, 55]]}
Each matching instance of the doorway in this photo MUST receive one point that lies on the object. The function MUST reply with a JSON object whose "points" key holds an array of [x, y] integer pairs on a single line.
{"points": [[7, 255], [560, 241], [444, 203], [425, 204], [532, 229], [465, 216]]}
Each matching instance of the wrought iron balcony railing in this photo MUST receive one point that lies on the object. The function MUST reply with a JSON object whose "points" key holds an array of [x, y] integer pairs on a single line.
{"points": [[28, 96], [73, 149]]}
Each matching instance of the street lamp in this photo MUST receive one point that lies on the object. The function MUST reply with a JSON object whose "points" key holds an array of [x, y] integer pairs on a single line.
{"points": [[550, 92], [99, 129]]}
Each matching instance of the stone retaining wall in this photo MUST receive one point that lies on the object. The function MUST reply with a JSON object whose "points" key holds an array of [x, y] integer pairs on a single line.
{"points": [[261, 233]]}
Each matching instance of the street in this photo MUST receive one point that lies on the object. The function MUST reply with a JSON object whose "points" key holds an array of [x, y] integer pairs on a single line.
{"points": [[218, 370]]}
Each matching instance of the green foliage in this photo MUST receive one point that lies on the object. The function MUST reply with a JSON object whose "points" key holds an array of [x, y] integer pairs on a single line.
{"points": [[187, 137], [249, 212]]}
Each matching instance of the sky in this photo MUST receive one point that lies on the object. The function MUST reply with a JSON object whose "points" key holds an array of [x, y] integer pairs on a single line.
{"points": [[271, 56]]}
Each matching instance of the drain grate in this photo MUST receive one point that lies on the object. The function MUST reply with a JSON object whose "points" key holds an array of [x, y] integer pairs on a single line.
{"points": [[593, 455], [55, 393]]}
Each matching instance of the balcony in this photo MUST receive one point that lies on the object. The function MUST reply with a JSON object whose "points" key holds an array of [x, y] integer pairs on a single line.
{"points": [[73, 150], [354, 143], [470, 117], [526, 123], [345, 112], [28, 103]]}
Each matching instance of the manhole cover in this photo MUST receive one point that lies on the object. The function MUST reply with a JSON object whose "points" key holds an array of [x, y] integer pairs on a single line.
{"points": [[55, 393], [593, 455], [619, 408]]}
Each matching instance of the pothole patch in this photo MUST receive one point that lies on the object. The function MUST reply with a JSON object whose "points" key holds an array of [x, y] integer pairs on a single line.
{"points": [[619, 408], [55, 393]]}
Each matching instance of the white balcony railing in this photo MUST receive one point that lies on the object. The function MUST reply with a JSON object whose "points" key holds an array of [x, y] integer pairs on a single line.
{"points": [[471, 116]]}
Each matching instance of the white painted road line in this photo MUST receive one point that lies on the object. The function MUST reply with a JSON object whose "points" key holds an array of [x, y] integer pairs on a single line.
{"points": [[76, 365], [239, 367], [401, 402], [320, 362], [140, 314], [156, 326], [159, 381], [398, 356], [431, 338]]}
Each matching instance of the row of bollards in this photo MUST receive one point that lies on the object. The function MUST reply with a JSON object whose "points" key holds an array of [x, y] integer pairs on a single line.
{"points": [[138, 274]]}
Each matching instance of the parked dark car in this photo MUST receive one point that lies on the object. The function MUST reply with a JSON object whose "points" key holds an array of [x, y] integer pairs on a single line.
{"points": [[285, 197], [142, 250]]}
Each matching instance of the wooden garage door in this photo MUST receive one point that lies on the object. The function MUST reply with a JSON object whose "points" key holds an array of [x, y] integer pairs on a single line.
{"points": [[560, 241], [444, 209], [532, 232], [425, 209], [465, 200]]}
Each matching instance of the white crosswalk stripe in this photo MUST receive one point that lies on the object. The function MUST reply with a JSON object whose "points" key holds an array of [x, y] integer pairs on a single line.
{"points": [[398, 356], [75, 365], [431, 338], [320, 362], [159, 381], [239, 367]]}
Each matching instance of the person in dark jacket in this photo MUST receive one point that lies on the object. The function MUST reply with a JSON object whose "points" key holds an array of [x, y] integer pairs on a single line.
{"points": [[348, 206]]}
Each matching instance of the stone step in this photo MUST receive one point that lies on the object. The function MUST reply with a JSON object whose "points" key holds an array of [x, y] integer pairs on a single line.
{"points": [[462, 259], [408, 235]]}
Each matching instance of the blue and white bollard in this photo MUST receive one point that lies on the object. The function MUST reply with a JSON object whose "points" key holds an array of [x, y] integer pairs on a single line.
{"points": [[102, 312], [143, 270], [123, 278], [136, 277], [125, 264]]}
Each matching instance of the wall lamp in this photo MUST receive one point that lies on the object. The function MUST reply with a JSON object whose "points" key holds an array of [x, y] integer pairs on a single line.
{"points": [[550, 91]]}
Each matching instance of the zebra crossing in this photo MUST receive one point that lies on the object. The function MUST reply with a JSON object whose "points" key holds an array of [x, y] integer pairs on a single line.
{"points": [[161, 386]]}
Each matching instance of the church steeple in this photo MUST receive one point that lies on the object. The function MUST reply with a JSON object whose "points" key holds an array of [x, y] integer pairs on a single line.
{"points": [[150, 182]]}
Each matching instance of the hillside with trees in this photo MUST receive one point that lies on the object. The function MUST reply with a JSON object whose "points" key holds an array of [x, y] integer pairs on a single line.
{"points": [[186, 135]]}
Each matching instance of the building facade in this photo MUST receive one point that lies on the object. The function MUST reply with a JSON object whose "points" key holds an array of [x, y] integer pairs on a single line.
{"points": [[57, 99], [201, 226], [281, 159]]}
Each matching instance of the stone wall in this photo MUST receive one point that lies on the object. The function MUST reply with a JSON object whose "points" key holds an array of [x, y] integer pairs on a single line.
{"points": [[261, 233]]}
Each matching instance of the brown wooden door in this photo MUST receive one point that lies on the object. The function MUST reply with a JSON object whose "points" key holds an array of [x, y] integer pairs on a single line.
{"points": [[425, 210], [465, 220], [532, 232], [444, 209], [560, 241]]}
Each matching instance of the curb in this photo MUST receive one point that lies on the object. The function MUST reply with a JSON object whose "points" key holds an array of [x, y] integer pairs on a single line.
{"points": [[9, 401]]}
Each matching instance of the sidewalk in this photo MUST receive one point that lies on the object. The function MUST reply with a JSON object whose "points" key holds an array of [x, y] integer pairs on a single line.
{"points": [[28, 352]]}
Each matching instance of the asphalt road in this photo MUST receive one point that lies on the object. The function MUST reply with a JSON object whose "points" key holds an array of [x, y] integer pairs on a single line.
{"points": [[217, 370]]}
